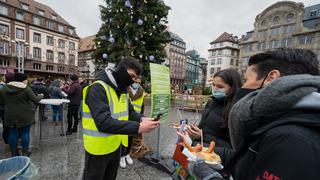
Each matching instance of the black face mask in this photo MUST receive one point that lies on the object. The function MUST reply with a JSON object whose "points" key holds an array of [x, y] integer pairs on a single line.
{"points": [[122, 78], [242, 92]]}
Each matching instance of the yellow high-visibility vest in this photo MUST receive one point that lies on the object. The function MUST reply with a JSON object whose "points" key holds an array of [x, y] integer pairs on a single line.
{"points": [[137, 104], [99, 143]]}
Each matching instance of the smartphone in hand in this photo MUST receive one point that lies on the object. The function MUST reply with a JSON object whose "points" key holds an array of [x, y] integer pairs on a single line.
{"points": [[158, 117]]}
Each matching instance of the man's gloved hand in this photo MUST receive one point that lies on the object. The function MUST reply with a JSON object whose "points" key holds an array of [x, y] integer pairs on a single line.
{"points": [[201, 170]]}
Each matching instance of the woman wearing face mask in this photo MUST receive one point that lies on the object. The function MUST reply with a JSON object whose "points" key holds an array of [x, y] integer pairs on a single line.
{"points": [[19, 117], [214, 121]]}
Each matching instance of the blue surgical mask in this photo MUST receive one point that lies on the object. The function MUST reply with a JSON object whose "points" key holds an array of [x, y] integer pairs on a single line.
{"points": [[135, 86], [218, 94]]}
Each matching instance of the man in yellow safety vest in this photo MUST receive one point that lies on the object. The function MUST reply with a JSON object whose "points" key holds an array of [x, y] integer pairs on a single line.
{"points": [[108, 118]]}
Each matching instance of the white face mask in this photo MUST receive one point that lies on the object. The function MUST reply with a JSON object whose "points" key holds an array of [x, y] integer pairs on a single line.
{"points": [[135, 86]]}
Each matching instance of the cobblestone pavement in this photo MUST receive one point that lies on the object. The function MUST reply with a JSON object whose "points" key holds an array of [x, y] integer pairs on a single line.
{"points": [[58, 157]]}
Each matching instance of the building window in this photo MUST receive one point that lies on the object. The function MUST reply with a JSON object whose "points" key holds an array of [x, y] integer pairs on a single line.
{"points": [[49, 24], [37, 53], [212, 71], [237, 62], [61, 57], [49, 67], [40, 12], [219, 52], [288, 29], [4, 29], [213, 61], [71, 31], [37, 37], [49, 55], [274, 31], [60, 69], [231, 61], [264, 23], [60, 28], [25, 6], [219, 61], [232, 53], [305, 39], [218, 69], [261, 34], [4, 63], [20, 33], [71, 59], [247, 47], [261, 46], [72, 46], [276, 19], [313, 13], [245, 61], [3, 10], [4, 48], [19, 15], [290, 17], [61, 43], [36, 20], [213, 53], [273, 44], [221, 44], [37, 66], [50, 40], [287, 42], [53, 16]]}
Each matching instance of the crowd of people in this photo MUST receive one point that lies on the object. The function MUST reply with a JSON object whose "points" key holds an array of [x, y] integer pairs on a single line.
{"points": [[266, 127]]}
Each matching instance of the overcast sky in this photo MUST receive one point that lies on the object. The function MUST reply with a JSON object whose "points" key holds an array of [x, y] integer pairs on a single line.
{"points": [[198, 22]]}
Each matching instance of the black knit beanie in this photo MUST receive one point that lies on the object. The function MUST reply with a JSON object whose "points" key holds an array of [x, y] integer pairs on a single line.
{"points": [[19, 77], [74, 77]]}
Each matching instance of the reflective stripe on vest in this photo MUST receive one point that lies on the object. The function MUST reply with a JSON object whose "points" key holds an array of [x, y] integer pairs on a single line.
{"points": [[137, 104], [99, 143]]}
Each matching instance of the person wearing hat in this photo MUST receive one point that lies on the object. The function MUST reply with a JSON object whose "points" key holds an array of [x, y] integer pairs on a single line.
{"points": [[74, 95], [16, 97]]}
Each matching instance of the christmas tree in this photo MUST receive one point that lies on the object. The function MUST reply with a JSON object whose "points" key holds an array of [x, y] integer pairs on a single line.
{"points": [[135, 28]]}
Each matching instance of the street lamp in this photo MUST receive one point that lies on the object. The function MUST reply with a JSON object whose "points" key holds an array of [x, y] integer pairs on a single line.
{"points": [[20, 54]]}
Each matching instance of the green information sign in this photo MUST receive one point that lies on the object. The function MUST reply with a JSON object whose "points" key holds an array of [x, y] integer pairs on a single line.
{"points": [[160, 90]]}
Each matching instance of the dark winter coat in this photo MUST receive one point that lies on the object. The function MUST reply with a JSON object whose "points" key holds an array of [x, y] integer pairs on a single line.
{"points": [[275, 131], [17, 98], [98, 104], [55, 91], [39, 88], [74, 93], [212, 123]]}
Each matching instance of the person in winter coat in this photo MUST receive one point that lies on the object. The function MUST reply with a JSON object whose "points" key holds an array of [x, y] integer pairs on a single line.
{"points": [[7, 78], [214, 120], [56, 93], [274, 130], [17, 98], [74, 92], [40, 88]]}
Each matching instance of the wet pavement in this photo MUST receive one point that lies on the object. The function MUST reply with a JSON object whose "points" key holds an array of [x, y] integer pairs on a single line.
{"points": [[58, 157]]}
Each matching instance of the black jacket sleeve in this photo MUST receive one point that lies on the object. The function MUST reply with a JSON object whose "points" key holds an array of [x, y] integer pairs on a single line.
{"points": [[286, 156], [97, 102]]}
